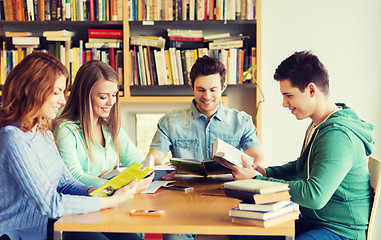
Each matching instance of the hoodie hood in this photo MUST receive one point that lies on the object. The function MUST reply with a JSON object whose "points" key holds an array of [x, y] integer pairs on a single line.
{"points": [[348, 119]]}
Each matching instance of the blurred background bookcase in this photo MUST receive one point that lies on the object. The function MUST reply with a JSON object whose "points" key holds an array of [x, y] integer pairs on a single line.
{"points": [[241, 96]]}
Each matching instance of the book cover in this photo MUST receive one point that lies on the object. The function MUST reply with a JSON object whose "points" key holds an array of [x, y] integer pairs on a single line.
{"points": [[267, 207], [179, 67], [189, 39], [211, 37], [257, 186], [235, 212], [26, 41], [186, 44], [136, 170], [226, 45], [18, 34], [223, 152], [103, 45], [250, 197], [60, 33], [267, 223], [157, 42], [185, 33], [105, 33], [203, 168]]}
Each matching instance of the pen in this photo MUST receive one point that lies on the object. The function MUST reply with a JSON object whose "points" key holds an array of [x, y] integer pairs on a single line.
{"points": [[213, 194]]}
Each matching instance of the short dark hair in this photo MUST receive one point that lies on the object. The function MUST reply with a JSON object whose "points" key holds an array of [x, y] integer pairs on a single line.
{"points": [[205, 66], [302, 68]]}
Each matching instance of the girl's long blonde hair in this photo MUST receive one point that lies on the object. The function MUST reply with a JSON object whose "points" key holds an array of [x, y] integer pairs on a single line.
{"points": [[79, 107]]}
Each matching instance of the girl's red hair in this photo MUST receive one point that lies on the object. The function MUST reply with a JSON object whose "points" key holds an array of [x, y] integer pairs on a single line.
{"points": [[27, 88]]}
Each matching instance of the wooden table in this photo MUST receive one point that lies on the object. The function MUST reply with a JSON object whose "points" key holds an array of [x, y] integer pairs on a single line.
{"points": [[188, 212]]}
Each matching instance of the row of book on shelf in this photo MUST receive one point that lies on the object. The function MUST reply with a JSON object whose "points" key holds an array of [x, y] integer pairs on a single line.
{"points": [[66, 10], [151, 62], [172, 66], [103, 44], [264, 203], [170, 10], [139, 10]]}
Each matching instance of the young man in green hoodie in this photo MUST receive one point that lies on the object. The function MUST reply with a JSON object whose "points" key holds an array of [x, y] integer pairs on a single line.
{"points": [[330, 178]]}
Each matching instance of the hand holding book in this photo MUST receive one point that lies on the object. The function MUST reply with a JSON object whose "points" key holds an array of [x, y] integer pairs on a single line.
{"points": [[247, 171]]}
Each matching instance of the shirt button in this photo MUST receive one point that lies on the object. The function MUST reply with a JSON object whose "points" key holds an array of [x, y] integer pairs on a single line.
{"points": [[207, 148], [186, 145]]}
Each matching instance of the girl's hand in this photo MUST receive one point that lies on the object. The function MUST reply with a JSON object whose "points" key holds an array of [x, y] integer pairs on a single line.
{"points": [[144, 183]]}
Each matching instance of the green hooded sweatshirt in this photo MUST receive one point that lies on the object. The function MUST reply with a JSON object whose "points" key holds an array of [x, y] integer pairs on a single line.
{"points": [[330, 179]]}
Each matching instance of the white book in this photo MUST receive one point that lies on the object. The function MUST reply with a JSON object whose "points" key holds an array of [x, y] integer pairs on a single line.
{"points": [[233, 66], [192, 7], [162, 53], [61, 33], [158, 67], [235, 212], [103, 45], [30, 9], [179, 67], [223, 151], [26, 41], [267, 207], [146, 66], [256, 186]]}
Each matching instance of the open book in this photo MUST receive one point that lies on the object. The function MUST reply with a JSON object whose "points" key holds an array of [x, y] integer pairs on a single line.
{"points": [[160, 170], [222, 152], [203, 168], [136, 170]]}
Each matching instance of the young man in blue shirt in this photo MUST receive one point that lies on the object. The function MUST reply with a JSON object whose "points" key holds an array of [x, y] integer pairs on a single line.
{"points": [[189, 133]]}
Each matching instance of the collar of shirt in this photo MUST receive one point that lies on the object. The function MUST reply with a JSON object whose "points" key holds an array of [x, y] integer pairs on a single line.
{"points": [[220, 114]]}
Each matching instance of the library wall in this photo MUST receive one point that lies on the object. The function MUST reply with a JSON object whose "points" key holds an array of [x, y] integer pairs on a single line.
{"points": [[346, 37]]}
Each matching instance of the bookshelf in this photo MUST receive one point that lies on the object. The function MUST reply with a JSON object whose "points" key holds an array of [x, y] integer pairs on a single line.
{"points": [[158, 94], [180, 94]]}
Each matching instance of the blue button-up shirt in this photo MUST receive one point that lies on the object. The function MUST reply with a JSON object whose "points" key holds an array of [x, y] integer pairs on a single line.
{"points": [[188, 134]]}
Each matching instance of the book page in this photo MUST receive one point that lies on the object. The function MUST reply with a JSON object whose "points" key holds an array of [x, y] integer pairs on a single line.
{"points": [[229, 153]]}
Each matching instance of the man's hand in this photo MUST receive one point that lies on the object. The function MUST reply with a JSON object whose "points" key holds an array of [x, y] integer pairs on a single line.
{"points": [[245, 172]]}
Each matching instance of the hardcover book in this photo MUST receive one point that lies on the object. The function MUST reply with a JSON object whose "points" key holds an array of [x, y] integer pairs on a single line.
{"points": [[257, 198], [235, 212], [267, 223], [105, 33], [267, 207], [257, 186], [203, 168]]}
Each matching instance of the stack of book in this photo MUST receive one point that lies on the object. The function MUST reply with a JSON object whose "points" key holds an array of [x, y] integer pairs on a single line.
{"points": [[106, 45], [264, 204], [185, 39]]}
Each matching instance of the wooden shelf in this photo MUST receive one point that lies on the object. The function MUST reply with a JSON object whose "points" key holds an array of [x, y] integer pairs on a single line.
{"points": [[162, 99]]}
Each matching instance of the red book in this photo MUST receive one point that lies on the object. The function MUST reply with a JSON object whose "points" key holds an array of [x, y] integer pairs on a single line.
{"points": [[211, 9], [189, 39], [91, 5], [105, 33], [112, 58]]}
